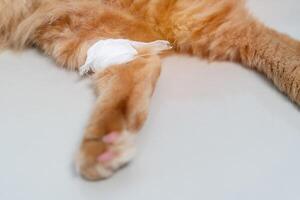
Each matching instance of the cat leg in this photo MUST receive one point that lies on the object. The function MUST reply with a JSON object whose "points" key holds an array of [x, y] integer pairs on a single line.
{"points": [[288, 40], [275, 57], [120, 111], [267, 51], [229, 32]]}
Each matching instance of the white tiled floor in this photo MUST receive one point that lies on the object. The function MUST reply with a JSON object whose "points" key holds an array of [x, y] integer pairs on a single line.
{"points": [[216, 131]]}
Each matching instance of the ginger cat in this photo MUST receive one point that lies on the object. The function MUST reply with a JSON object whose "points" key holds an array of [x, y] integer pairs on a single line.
{"points": [[210, 29]]}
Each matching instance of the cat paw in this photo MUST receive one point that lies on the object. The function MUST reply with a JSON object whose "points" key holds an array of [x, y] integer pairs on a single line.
{"points": [[100, 158]]}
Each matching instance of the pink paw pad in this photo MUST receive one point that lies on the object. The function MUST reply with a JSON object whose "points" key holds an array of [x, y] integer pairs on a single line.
{"points": [[111, 138], [106, 156]]}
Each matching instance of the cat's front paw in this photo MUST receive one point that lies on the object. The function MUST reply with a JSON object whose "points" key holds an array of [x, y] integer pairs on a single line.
{"points": [[99, 158]]}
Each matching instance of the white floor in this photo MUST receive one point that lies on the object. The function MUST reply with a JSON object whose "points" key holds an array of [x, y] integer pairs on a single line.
{"points": [[216, 131]]}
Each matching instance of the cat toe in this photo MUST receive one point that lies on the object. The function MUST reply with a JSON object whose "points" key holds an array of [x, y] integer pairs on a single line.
{"points": [[99, 159]]}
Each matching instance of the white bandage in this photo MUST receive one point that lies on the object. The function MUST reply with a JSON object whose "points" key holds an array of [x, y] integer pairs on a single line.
{"points": [[105, 53]]}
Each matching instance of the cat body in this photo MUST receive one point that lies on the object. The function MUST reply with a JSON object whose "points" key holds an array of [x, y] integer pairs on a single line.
{"points": [[210, 29]]}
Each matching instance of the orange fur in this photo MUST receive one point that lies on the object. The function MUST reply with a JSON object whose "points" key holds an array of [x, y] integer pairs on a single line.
{"points": [[212, 29]]}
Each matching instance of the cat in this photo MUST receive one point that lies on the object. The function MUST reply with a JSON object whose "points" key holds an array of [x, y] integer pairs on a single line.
{"points": [[210, 29]]}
